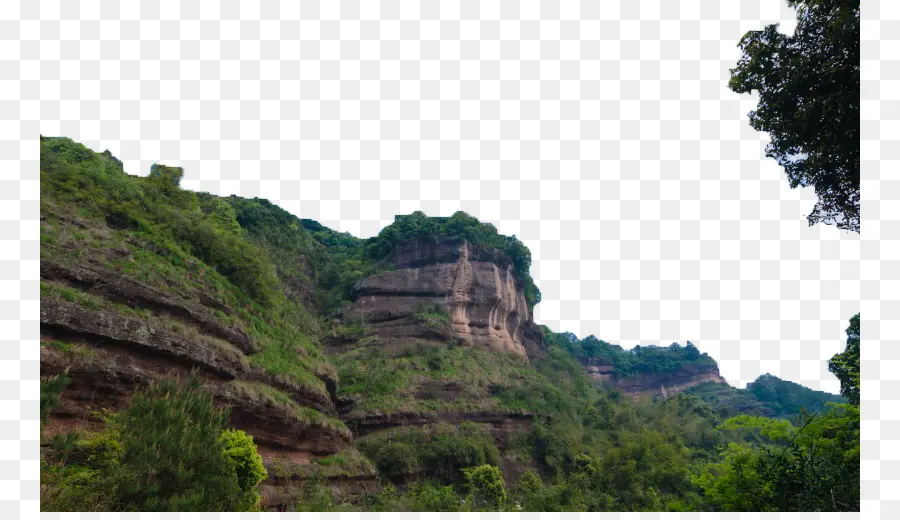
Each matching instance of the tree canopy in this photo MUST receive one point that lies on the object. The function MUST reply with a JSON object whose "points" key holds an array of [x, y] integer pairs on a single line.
{"points": [[808, 86], [846, 364]]}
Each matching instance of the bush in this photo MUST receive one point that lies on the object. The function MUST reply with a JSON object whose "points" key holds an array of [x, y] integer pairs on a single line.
{"points": [[246, 463], [486, 488], [173, 451], [396, 459], [440, 451], [166, 452]]}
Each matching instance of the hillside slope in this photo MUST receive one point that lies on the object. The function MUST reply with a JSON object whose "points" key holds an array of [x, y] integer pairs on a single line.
{"points": [[354, 364]]}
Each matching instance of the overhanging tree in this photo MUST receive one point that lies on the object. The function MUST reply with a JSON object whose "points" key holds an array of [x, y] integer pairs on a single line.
{"points": [[808, 86]]}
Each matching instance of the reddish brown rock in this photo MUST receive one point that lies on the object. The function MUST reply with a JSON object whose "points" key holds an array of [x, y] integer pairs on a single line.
{"points": [[222, 360], [127, 291], [477, 288], [106, 380], [668, 383]]}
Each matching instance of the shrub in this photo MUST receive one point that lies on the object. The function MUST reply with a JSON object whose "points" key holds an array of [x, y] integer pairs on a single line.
{"points": [[240, 451], [396, 459], [166, 452], [486, 488], [440, 451], [173, 452], [51, 389]]}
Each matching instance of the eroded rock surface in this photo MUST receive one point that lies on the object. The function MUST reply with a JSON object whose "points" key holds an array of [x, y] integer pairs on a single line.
{"points": [[476, 288], [106, 381], [122, 289], [667, 383]]}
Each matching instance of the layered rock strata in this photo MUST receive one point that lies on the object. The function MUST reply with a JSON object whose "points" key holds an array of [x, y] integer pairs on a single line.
{"points": [[475, 289]]}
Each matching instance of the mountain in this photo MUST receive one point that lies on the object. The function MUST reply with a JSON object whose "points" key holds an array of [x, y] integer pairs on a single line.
{"points": [[357, 365], [767, 396]]}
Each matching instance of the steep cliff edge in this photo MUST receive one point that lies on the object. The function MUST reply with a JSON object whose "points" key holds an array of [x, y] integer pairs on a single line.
{"points": [[642, 371], [441, 289], [668, 382]]}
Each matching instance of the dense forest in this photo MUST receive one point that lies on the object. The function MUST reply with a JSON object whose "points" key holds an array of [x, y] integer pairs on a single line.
{"points": [[263, 292]]}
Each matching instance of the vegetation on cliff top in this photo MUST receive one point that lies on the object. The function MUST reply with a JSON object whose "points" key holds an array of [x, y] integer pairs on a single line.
{"points": [[459, 225], [628, 363], [185, 244]]}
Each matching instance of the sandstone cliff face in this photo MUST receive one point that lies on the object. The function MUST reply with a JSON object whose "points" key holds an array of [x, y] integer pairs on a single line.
{"points": [[476, 288], [107, 354], [658, 383]]}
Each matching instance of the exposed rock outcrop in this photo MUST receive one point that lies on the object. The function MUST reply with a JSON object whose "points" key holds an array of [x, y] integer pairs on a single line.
{"points": [[106, 380], [134, 340], [475, 287], [502, 422], [664, 383], [221, 360], [122, 289]]}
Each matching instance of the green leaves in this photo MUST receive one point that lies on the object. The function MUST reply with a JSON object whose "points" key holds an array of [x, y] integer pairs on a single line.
{"points": [[808, 86], [439, 451], [173, 454], [780, 467], [486, 488], [240, 452], [51, 390], [168, 451], [846, 364]]}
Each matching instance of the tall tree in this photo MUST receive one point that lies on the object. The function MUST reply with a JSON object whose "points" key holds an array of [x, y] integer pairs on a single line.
{"points": [[808, 86], [846, 364]]}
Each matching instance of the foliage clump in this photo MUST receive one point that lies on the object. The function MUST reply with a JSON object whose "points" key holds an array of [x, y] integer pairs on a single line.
{"points": [[846, 364], [486, 488], [808, 86], [168, 451], [439, 451], [625, 363]]}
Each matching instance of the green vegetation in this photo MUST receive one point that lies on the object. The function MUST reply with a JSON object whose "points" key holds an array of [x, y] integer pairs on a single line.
{"points": [[51, 389], [788, 399], [813, 467], [440, 450], [347, 463], [185, 243], [284, 281], [627, 363], [768, 396], [265, 395], [452, 378], [487, 491], [808, 86], [846, 364], [71, 349], [240, 452], [434, 317], [168, 451]]}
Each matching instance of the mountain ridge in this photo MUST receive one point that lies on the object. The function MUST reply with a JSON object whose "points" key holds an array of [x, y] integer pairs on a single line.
{"points": [[321, 343]]}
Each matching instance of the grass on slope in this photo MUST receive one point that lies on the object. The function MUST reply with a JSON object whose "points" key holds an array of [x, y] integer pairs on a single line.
{"points": [[187, 244]]}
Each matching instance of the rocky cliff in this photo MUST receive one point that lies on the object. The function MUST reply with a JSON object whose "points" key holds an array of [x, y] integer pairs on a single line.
{"points": [[108, 350], [446, 289], [407, 356], [667, 383]]}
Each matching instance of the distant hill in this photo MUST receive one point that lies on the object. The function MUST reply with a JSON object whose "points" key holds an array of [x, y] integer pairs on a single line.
{"points": [[768, 396]]}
